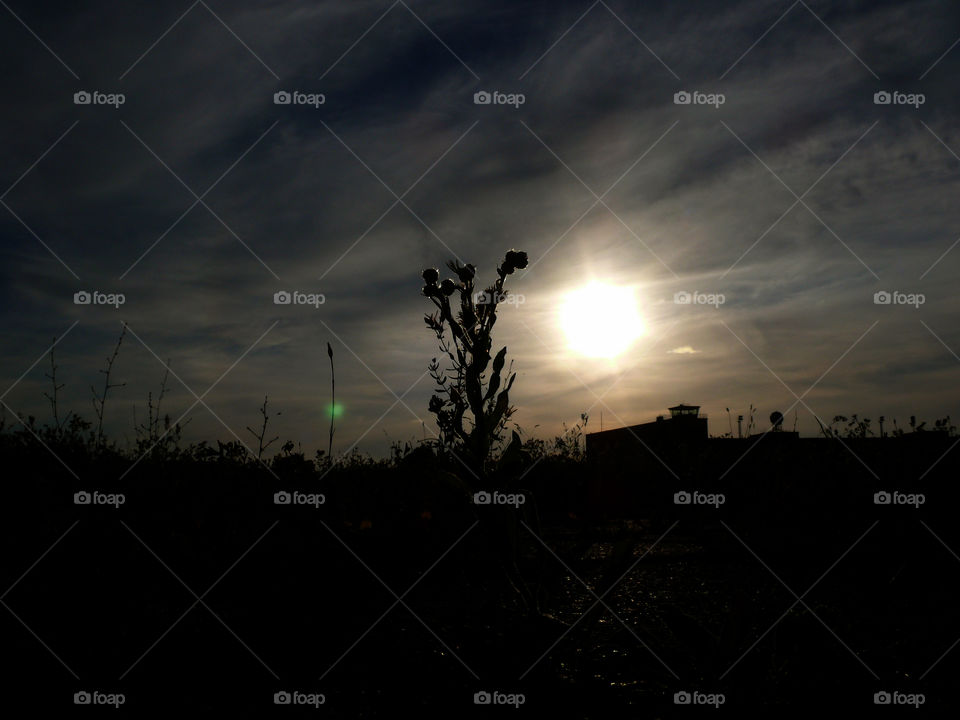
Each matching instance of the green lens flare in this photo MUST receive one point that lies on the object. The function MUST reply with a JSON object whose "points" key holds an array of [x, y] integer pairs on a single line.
{"points": [[336, 410]]}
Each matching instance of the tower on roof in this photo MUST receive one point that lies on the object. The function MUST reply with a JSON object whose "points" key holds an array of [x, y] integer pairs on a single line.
{"points": [[682, 411]]}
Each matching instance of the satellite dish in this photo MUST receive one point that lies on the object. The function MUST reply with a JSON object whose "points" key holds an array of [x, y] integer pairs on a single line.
{"points": [[776, 419]]}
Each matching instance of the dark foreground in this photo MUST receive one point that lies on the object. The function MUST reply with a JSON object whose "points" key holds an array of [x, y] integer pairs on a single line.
{"points": [[201, 594]]}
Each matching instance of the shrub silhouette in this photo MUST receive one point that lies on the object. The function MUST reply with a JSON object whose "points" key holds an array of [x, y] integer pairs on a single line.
{"points": [[471, 409]]}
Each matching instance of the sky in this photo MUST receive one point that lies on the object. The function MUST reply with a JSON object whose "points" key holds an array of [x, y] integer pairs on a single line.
{"points": [[782, 198]]}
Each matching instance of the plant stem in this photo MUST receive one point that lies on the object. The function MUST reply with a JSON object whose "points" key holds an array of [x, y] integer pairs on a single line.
{"points": [[333, 402]]}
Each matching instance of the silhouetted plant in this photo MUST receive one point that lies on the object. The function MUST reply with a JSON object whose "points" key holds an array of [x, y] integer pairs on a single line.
{"points": [[333, 402], [100, 400], [150, 438], [233, 452], [945, 426], [828, 431], [54, 397], [569, 445], [260, 436], [855, 427], [858, 428], [471, 408]]}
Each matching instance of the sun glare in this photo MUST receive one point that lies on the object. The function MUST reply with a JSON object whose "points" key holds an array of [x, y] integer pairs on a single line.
{"points": [[601, 320]]}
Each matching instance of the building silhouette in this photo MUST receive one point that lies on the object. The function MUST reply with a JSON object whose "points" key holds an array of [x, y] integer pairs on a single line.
{"points": [[685, 425]]}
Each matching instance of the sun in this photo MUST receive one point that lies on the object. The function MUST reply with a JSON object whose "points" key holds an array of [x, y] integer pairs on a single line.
{"points": [[601, 320]]}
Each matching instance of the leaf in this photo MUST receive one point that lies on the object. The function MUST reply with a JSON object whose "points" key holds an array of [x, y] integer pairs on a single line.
{"points": [[495, 378], [500, 359], [502, 403], [494, 386]]}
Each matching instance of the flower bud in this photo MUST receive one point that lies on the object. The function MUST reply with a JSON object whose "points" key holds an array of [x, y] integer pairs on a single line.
{"points": [[448, 286], [515, 259], [431, 275], [466, 273]]}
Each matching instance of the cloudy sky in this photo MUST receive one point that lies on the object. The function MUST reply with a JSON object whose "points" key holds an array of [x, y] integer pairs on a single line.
{"points": [[784, 189]]}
